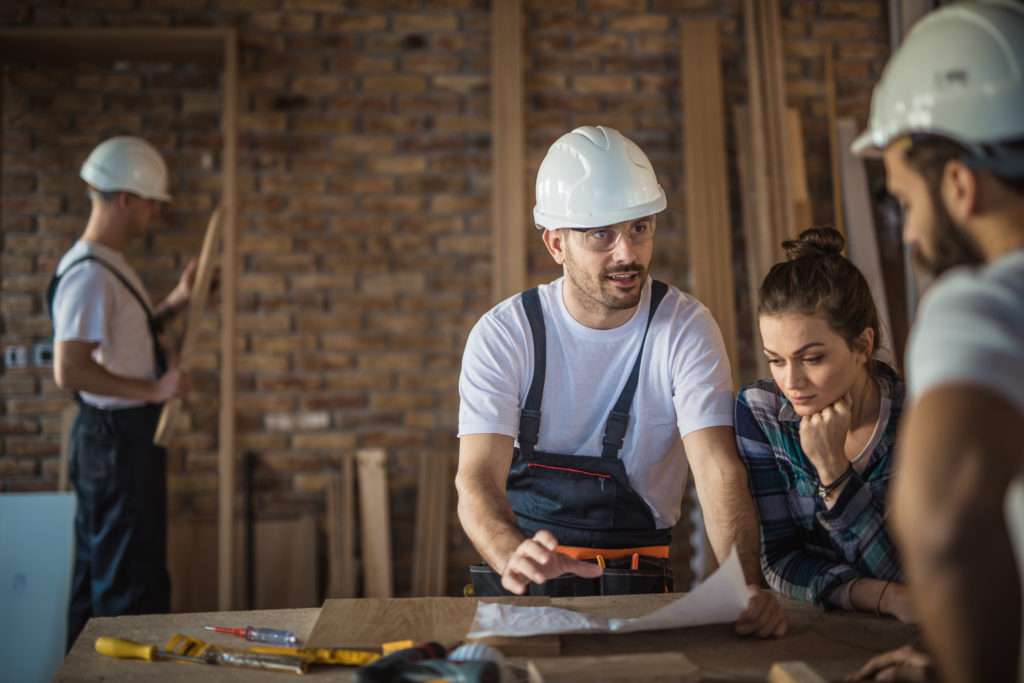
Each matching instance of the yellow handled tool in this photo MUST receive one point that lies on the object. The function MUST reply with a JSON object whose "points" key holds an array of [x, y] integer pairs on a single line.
{"points": [[129, 649]]}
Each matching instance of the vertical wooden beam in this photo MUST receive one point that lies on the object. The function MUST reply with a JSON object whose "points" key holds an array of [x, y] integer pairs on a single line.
{"points": [[375, 523], [429, 564], [508, 220], [67, 421], [752, 232], [801, 197], [226, 452], [861, 234], [708, 223], [341, 531], [769, 148], [838, 219]]}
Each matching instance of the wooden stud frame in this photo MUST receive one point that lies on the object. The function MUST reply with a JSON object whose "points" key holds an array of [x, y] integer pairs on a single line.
{"points": [[508, 218], [708, 223], [215, 45]]}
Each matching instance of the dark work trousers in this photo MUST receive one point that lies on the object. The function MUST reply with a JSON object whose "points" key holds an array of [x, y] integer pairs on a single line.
{"points": [[120, 479]]}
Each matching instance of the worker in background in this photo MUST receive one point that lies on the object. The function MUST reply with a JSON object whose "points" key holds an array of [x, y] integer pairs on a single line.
{"points": [[949, 115], [584, 400], [817, 438], [106, 351]]}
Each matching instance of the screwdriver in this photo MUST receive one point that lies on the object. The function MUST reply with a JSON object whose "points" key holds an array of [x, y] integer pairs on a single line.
{"points": [[129, 649], [261, 635]]}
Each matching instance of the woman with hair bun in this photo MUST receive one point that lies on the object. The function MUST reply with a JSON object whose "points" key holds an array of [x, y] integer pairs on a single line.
{"points": [[817, 439]]}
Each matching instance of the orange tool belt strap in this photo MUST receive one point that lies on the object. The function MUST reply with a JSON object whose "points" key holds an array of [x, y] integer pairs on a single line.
{"points": [[658, 551]]}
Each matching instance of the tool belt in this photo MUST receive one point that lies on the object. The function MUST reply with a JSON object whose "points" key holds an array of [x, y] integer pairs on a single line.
{"points": [[626, 571]]}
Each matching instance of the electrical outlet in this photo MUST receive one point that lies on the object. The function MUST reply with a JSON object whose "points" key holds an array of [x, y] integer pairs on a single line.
{"points": [[42, 354], [15, 357]]}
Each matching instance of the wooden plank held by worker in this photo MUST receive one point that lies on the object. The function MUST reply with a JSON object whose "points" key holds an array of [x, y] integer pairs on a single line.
{"points": [[208, 259]]}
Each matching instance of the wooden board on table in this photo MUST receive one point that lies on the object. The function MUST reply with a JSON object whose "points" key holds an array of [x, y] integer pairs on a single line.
{"points": [[793, 672], [368, 622], [649, 667]]}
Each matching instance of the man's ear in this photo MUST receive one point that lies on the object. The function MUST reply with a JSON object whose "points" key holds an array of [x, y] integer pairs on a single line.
{"points": [[122, 199], [554, 240], [959, 190]]}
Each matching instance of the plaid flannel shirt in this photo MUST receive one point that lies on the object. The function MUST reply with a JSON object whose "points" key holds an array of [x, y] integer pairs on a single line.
{"points": [[807, 550]]}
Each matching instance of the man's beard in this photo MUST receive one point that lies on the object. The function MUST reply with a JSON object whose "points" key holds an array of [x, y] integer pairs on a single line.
{"points": [[599, 295], [951, 246]]}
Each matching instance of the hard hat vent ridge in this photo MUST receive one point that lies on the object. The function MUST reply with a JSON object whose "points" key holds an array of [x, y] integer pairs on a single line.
{"points": [[127, 164], [592, 177]]}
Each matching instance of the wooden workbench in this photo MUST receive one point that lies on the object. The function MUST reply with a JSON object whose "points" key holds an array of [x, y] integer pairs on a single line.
{"points": [[833, 644]]}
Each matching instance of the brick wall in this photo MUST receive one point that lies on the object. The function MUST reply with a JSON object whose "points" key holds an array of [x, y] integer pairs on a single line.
{"points": [[364, 222]]}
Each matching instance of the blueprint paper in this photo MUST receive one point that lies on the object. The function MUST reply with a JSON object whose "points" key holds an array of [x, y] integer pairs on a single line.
{"points": [[719, 599]]}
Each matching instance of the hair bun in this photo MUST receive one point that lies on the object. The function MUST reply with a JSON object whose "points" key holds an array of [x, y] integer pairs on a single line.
{"points": [[818, 242]]}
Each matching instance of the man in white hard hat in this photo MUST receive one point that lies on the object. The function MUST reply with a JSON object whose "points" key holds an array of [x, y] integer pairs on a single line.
{"points": [[584, 400], [948, 115], [106, 351]]}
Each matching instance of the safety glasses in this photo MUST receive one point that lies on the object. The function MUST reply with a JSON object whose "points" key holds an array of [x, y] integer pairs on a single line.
{"points": [[605, 238]]}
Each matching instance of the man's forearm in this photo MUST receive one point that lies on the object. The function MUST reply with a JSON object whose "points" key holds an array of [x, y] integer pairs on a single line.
{"points": [[730, 519], [91, 377], [488, 520], [958, 451]]}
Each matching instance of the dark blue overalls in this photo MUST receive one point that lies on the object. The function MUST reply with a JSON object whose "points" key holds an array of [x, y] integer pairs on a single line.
{"points": [[586, 502], [120, 481]]}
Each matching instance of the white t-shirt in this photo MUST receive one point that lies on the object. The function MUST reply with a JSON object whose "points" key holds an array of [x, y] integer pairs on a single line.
{"points": [[970, 329], [684, 385], [92, 305]]}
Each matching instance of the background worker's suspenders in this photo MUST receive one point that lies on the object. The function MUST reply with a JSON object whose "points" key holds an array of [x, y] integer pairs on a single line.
{"points": [[154, 326], [583, 500]]}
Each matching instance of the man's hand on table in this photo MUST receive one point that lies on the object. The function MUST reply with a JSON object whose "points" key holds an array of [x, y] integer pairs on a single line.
{"points": [[535, 560], [904, 664], [764, 616]]}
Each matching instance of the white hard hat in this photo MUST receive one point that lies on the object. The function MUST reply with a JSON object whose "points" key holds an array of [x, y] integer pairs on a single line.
{"points": [[592, 177], [127, 164], [958, 74]]}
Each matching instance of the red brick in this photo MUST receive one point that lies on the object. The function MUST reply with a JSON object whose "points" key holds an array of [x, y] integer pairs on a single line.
{"points": [[431, 63], [393, 439], [321, 203], [601, 43], [355, 341], [851, 10], [393, 204], [282, 22], [263, 322], [411, 23], [640, 23], [289, 383], [324, 362], [362, 64], [323, 84], [262, 362], [18, 467], [844, 30], [352, 22], [399, 83], [323, 282], [283, 343]]}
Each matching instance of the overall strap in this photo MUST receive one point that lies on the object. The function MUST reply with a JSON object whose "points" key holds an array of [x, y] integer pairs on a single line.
{"points": [[529, 418], [154, 326], [618, 419]]}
